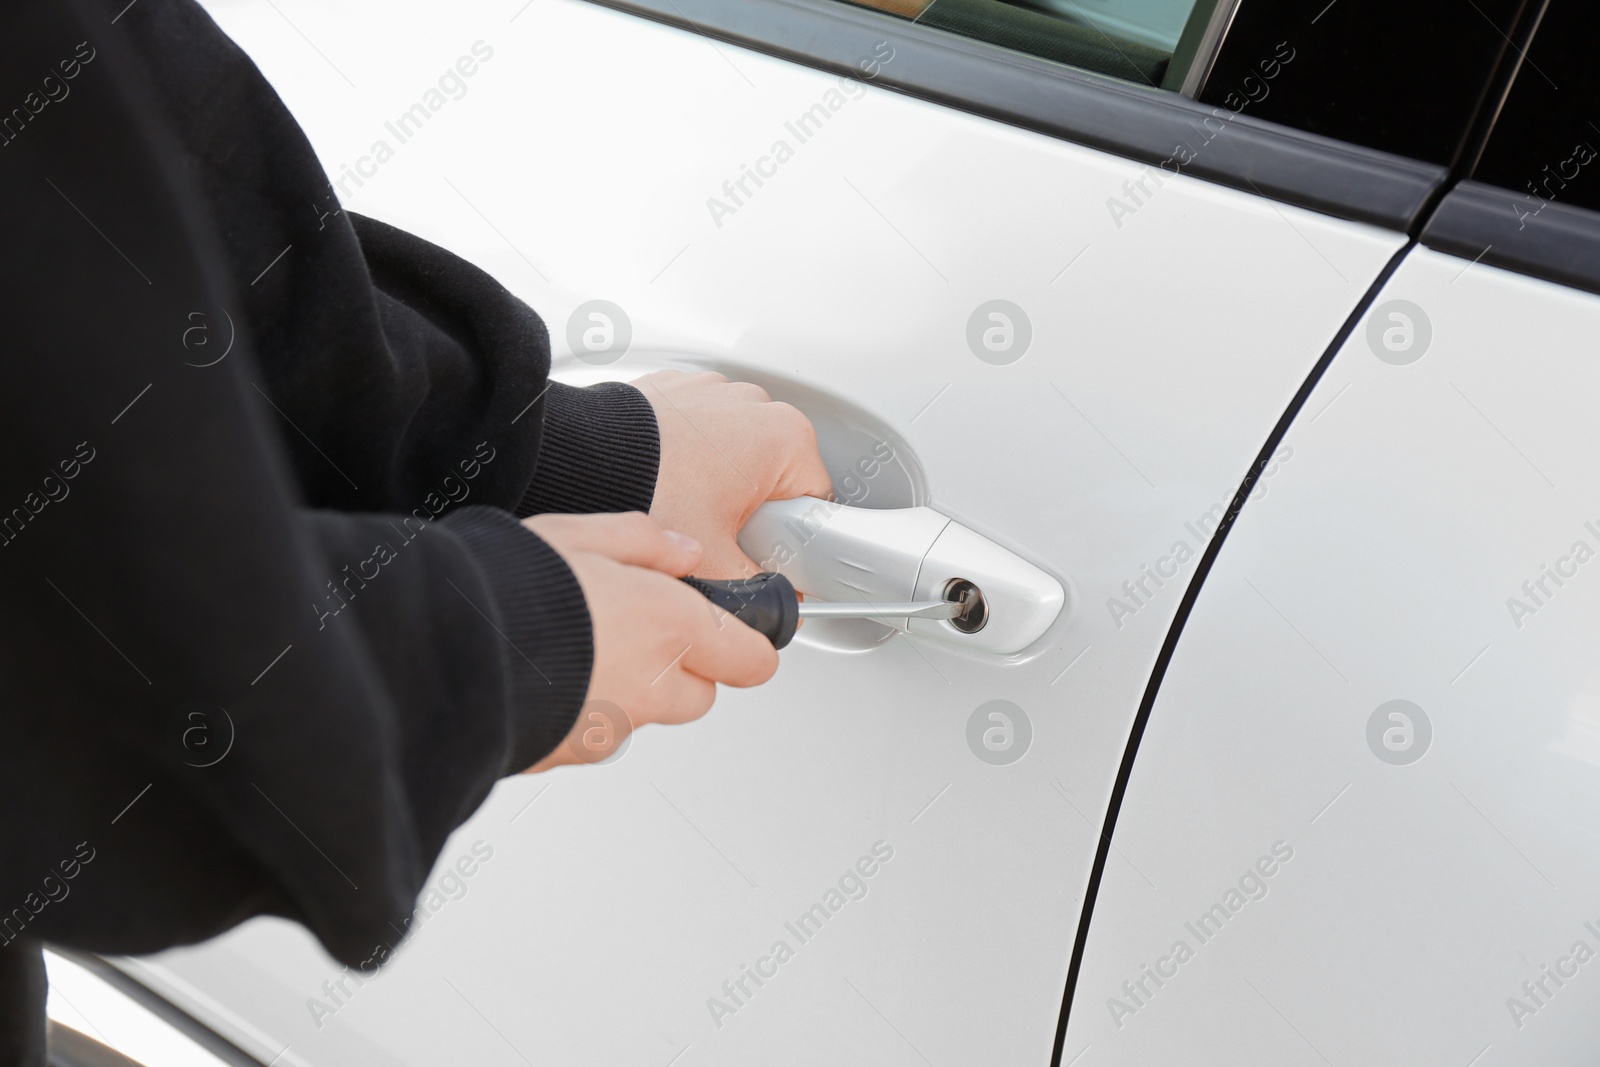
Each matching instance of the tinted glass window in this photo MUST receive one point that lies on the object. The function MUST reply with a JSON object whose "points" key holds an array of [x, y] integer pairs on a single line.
{"points": [[1406, 77], [1130, 39], [1546, 143]]}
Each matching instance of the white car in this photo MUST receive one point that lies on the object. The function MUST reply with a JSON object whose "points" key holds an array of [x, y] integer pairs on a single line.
{"points": [[1265, 337]]}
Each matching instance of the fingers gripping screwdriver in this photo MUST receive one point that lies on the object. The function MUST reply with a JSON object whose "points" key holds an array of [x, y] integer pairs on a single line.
{"points": [[768, 603]]}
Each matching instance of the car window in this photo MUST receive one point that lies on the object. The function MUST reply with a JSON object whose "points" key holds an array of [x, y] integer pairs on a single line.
{"points": [[1135, 40], [1547, 139], [1407, 78]]}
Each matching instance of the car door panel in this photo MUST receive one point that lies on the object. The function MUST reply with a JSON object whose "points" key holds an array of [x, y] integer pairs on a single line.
{"points": [[1166, 338], [1428, 544]]}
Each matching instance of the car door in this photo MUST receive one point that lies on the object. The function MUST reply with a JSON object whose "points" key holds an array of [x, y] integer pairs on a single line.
{"points": [[1367, 788], [1062, 309]]}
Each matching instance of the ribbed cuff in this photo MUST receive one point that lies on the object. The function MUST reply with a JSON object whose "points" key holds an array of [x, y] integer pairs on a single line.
{"points": [[599, 452], [547, 644]]}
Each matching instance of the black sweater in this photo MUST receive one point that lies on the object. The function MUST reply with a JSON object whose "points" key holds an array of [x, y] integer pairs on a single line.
{"points": [[271, 627]]}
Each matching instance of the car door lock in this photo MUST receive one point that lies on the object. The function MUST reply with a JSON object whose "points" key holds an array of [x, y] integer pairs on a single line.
{"points": [[912, 569]]}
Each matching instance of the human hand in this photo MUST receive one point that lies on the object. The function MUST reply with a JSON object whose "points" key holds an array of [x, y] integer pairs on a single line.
{"points": [[726, 449], [659, 646]]}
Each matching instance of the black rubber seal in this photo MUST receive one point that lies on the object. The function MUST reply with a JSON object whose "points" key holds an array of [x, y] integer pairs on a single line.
{"points": [[1140, 123], [1542, 238], [1185, 607]]}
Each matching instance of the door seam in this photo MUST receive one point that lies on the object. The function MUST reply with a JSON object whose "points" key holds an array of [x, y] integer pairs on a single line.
{"points": [[1175, 631]]}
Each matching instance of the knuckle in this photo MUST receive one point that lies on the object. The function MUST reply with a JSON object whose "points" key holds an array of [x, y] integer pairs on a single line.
{"points": [[691, 701], [638, 524], [753, 660], [795, 418], [765, 665]]}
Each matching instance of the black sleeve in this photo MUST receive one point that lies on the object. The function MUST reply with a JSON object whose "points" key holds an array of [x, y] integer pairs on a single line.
{"points": [[389, 358], [598, 448], [230, 692], [608, 428]]}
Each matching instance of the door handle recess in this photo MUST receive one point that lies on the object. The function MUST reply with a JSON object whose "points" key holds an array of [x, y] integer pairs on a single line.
{"points": [[870, 556]]}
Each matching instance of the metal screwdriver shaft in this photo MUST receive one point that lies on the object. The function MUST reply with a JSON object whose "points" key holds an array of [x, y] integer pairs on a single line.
{"points": [[916, 609]]}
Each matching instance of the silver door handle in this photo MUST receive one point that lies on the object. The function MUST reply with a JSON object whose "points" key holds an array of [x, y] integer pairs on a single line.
{"points": [[896, 559]]}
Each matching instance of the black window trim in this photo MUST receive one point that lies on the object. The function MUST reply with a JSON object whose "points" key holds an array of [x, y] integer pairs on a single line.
{"points": [[1526, 234], [1135, 122], [1486, 224]]}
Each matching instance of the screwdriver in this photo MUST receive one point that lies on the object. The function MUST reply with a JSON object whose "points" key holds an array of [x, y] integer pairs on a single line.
{"points": [[768, 603]]}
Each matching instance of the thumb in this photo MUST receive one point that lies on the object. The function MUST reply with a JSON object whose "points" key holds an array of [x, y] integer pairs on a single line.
{"points": [[633, 538]]}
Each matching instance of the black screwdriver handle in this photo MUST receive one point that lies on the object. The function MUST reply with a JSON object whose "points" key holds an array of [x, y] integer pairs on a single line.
{"points": [[767, 603]]}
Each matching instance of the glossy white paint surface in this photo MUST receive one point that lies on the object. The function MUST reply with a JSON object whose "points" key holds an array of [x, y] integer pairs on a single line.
{"points": [[83, 1001], [1382, 566], [620, 898]]}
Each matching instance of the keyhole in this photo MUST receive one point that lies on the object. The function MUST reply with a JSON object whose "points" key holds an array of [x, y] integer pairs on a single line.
{"points": [[974, 609]]}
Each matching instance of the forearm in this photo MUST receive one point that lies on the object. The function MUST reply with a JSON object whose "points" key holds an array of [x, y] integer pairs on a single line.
{"points": [[310, 733], [157, 559], [387, 358]]}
